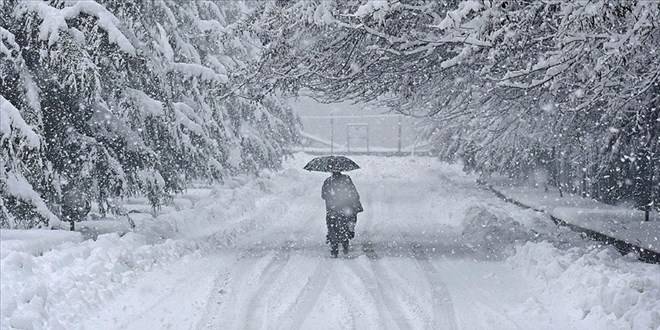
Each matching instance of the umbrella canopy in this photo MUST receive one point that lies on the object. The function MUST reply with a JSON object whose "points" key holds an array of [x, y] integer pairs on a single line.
{"points": [[331, 164]]}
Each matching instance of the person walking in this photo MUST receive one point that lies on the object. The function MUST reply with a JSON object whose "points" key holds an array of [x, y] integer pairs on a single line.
{"points": [[342, 200], [342, 204]]}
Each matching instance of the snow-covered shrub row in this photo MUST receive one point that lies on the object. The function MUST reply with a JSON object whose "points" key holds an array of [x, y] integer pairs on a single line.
{"points": [[596, 286], [113, 98], [509, 86]]}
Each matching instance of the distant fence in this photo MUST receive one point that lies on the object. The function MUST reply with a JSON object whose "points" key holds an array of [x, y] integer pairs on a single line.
{"points": [[317, 152], [318, 146], [370, 134], [362, 134]]}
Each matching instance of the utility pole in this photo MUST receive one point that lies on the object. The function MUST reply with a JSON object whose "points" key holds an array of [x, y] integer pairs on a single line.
{"points": [[332, 135], [348, 139], [367, 139], [414, 146], [399, 130]]}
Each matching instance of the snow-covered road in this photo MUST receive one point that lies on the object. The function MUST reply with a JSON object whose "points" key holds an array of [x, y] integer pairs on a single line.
{"points": [[433, 251], [405, 269], [421, 260]]}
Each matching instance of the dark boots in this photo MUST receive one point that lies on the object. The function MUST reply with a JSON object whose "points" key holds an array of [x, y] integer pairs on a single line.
{"points": [[340, 230], [334, 248]]}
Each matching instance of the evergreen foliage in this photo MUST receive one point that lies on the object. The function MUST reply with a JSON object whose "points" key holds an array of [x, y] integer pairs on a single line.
{"points": [[114, 98]]}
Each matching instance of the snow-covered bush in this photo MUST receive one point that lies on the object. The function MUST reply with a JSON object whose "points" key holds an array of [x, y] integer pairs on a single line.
{"points": [[153, 185], [491, 236]]}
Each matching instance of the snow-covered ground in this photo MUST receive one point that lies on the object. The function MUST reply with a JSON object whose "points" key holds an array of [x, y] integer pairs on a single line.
{"points": [[433, 251]]}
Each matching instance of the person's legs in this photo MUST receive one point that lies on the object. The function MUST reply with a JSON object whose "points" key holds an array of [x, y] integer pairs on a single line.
{"points": [[351, 226], [344, 233], [332, 221], [334, 249], [329, 224]]}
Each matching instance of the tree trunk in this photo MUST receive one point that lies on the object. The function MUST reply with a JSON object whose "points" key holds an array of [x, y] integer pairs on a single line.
{"points": [[584, 183], [643, 181], [556, 170]]}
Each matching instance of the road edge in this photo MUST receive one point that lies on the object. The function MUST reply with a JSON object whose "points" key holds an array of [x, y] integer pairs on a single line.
{"points": [[624, 247]]}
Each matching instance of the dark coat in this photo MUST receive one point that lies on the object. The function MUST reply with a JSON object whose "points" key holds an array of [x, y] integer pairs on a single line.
{"points": [[340, 195], [342, 203]]}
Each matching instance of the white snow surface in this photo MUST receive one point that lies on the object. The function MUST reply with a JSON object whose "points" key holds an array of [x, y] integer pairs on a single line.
{"points": [[8, 38], [54, 20], [204, 73], [11, 119], [432, 251], [145, 103], [185, 115], [34, 242], [18, 187]]}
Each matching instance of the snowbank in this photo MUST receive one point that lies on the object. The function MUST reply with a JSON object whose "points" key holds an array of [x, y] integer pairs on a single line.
{"points": [[35, 241], [54, 289], [492, 236], [50, 278], [580, 283], [596, 288]]}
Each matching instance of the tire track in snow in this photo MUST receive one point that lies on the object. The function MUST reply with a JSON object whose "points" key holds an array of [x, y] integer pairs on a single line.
{"points": [[167, 294], [375, 290], [443, 309], [214, 301], [254, 315], [152, 298], [250, 266], [384, 289], [223, 293], [489, 306], [349, 300], [226, 291], [255, 312], [308, 297]]}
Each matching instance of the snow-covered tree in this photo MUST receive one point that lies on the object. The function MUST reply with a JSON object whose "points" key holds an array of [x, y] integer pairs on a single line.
{"points": [[23, 170], [114, 98], [507, 85]]}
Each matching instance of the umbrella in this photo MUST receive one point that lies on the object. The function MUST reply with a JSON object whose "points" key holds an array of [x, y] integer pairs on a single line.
{"points": [[331, 164]]}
